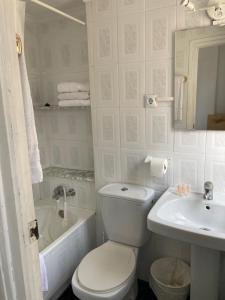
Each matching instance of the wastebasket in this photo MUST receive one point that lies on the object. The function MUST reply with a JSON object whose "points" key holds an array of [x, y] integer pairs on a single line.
{"points": [[170, 279]]}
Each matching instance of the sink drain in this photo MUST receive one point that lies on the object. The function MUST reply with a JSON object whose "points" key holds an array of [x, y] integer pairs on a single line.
{"points": [[205, 228]]}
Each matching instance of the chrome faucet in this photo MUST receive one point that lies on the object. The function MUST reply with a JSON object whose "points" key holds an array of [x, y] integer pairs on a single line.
{"points": [[61, 192], [208, 187]]}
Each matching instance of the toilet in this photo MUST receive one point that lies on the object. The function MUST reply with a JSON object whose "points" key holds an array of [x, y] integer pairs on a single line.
{"points": [[109, 271]]}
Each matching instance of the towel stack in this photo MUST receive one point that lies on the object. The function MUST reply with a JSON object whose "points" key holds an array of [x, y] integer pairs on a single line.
{"points": [[73, 94]]}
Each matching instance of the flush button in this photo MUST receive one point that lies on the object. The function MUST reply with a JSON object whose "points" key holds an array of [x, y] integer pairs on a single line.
{"points": [[124, 189]]}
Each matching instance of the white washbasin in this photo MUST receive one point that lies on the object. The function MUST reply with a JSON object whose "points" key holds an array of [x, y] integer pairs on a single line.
{"points": [[191, 219]]}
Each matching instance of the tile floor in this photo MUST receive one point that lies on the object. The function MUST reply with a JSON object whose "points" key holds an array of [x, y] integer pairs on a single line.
{"points": [[144, 293]]}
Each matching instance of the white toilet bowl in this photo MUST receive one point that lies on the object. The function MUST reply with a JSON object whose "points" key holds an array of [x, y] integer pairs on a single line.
{"points": [[107, 273]]}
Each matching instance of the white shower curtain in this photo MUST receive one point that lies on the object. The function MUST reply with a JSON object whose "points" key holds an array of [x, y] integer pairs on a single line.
{"points": [[34, 155]]}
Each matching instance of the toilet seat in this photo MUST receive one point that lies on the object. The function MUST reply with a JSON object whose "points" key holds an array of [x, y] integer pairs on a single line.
{"points": [[106, 268]]}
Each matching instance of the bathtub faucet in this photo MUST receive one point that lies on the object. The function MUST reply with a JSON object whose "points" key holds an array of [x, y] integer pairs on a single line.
{"points": [[62, 192]]}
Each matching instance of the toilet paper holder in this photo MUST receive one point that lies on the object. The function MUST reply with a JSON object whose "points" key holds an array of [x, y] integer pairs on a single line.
{"points": [[148, 159], [158, 166]]}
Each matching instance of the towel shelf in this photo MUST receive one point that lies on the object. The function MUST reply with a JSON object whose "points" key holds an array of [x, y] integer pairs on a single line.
{"points": [[59, 108]]}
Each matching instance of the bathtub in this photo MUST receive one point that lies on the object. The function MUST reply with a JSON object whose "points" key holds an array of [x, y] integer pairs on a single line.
{"points": [[63, 243]]}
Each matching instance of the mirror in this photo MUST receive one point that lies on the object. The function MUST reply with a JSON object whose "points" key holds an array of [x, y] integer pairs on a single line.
{"points": [[200, 79]]}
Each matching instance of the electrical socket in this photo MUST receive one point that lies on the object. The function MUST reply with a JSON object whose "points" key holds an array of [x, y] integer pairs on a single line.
{"points": [[150, 101]]}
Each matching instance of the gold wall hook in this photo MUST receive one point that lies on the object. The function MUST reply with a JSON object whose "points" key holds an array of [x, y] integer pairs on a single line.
{"points": [[19, 46]]}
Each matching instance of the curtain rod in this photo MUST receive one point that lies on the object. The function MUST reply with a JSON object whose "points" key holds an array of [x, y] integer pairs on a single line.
{"points": [[57, 11]]}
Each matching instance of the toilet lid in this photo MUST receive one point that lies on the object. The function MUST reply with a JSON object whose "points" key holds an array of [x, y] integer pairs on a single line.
{"points": [[106, 267]]}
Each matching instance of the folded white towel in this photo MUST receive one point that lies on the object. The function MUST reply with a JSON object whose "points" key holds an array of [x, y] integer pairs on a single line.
{"points": [[67, 103], [70, 87], [44, 275], [75, 95]]}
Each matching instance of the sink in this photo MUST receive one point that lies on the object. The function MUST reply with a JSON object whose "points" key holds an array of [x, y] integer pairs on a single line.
{"points": [[202, 224], [190, 219]]}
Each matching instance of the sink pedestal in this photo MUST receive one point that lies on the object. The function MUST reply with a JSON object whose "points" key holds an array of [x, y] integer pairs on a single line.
{"points": [[205, 269]]}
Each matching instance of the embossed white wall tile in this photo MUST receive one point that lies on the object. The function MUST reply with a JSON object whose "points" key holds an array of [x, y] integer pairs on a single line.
{"points": [[154, 4], [107, 121], [89, 12], [132, 128], [108, 162], [133, 167], [159, 77], [105, 42], [130, 6], [160, 26], [104, 9], [187, 19], [106, 86], [189, 169], [215, 171], [132, 84], [159, 130], [131, 39], [159, 184], [215, 143], [190, 141]]}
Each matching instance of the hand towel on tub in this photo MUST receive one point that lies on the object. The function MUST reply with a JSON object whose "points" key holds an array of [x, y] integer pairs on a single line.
{"points": [[32, 141], [67, 103], [74, 95], [44, 277], [70, 87]]}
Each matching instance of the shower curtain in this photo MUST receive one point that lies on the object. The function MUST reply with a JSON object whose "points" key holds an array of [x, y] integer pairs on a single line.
{"points": [[34, 154]]}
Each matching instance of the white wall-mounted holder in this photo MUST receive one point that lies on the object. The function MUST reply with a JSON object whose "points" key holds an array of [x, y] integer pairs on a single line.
{"points": [[158, 166], [215, 10], [152, 101]]}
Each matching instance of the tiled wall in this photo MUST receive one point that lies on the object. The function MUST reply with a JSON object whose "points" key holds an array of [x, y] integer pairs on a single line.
{"points": [[65, 138], [131, 52], [56, 51]]}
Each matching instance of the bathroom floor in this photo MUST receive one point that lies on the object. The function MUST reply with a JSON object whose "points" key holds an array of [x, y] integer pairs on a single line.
{"points": [[145, 293]]}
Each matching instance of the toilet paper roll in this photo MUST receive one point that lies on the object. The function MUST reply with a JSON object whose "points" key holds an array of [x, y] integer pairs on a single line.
{"points": [[158, 167]]}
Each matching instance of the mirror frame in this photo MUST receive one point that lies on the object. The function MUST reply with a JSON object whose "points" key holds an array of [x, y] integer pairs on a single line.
{"points": [[186, 64]]}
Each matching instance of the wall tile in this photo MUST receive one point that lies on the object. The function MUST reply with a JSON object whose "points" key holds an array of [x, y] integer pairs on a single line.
{"points": [[215, 143], [133, 166], [154, 4], [159, 131], [132, 125], [108, 165], [187, 19], [108, 127], [190, 141], [131, 40], [159, 77], [105, 42], [106, 86], [104, 9], [160, 25], [132, 84], [130, 6], [189, 169], [215, 171]]}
